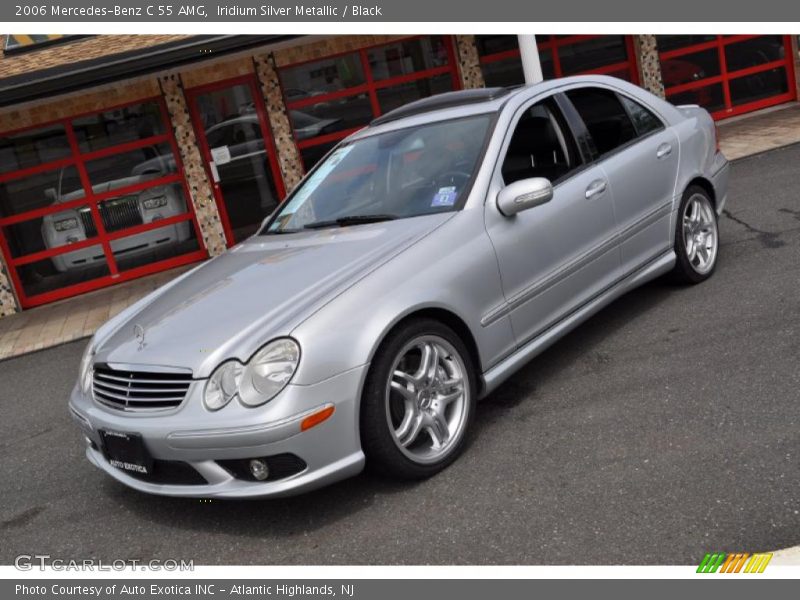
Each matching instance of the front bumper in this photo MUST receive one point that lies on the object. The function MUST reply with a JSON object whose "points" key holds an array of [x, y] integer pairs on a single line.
{"points": [[199, 438]]}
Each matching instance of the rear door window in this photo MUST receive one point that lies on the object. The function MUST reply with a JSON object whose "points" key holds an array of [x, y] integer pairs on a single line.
{"points": [[604, 116], [643, 119]]}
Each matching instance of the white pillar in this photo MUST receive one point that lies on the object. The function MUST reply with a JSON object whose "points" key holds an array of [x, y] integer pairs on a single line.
{"points": [[531, 66]]}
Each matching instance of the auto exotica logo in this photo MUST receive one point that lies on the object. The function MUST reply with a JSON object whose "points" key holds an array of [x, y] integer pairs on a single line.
{"points": [[742, 562]]}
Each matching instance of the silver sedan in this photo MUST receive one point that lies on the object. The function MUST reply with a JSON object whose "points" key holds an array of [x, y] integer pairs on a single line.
{"points": [[418, 266]]}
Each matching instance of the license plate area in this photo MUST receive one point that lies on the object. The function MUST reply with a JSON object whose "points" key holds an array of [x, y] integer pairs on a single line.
{"points": [[127, 452]]}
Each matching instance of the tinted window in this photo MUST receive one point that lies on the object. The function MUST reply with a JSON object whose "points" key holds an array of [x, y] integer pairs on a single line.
{"points": [[604, 116], [540, 146], [644, 120]]}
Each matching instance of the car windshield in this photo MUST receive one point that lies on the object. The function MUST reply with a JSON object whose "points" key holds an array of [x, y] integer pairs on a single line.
{"points": [[398, 174]]}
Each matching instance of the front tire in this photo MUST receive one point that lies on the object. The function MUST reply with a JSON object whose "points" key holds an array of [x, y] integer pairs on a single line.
{"points": [[418, 402], [696, 237]]}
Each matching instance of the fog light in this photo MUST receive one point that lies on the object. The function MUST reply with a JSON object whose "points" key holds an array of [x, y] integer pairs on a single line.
{"points": [[259, 469]]}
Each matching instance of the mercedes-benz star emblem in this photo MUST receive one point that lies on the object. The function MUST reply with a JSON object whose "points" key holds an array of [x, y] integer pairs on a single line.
{"points": [[138, 333]]}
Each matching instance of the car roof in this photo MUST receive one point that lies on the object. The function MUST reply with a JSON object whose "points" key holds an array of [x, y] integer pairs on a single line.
{"points": [[452, 105], [445, 100]]}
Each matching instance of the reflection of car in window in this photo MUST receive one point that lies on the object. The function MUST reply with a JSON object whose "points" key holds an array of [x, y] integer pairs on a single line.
{"points": [[129, 210]]}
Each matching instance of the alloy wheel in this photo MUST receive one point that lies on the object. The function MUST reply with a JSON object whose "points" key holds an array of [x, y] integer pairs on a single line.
{"points": [[427, 399], [700, 235]]}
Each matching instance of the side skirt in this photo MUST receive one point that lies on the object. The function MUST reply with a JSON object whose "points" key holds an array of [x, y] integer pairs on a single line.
{"points": [[511, 364]]}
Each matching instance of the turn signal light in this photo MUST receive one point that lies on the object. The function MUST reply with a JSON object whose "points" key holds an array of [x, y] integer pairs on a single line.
{"points": [[316, 418]]}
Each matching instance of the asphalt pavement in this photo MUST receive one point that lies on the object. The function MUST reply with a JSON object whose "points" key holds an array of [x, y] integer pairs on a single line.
{"points": [[663, 428]]}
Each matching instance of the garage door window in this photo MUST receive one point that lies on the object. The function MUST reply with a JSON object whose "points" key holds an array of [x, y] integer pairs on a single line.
{"points": [[330, 98], [93, 200], [560, 55], [727, 75]]}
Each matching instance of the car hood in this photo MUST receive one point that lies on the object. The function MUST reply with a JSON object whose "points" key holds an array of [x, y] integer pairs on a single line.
{"points": [[257, 291]]}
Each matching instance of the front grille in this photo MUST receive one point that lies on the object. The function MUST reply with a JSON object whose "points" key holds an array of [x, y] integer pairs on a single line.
{"points": [[116, 214], [139, 390]]}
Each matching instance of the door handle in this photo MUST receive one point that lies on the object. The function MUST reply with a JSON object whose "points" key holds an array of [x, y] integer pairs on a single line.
{"points": [[663, 150], [597, 187]]}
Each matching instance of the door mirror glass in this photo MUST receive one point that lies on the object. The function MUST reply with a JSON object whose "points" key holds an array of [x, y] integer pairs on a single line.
{"points": [[524, 194]]}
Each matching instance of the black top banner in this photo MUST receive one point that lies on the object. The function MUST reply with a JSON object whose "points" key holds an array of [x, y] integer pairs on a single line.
{"points": [[440, 11]]}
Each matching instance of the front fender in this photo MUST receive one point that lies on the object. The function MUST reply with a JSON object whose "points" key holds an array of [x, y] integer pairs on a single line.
{"points": [[455, 269]]}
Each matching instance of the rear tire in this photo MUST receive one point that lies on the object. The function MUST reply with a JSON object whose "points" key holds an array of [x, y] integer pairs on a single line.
{"points": [[418, 401], [696, 237]]}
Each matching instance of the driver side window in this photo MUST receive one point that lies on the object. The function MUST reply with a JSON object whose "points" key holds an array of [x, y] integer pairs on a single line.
{"points": [[541, 146]]}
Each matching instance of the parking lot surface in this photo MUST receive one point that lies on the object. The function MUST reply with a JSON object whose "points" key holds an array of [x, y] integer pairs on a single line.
{"points": [[663, 428]]}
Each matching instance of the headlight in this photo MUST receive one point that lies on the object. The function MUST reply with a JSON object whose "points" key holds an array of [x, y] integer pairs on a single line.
{"points": [[257, 382], [66, 224], [223, 385], [86, 367], [269, 371], [153, 203]]}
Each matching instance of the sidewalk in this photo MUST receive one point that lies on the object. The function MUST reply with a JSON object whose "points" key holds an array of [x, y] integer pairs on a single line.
{"points": [[79, 317], [761, 131]]}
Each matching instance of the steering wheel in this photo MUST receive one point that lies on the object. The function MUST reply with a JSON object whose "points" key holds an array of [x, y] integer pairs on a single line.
{"points": [[455, 178]]}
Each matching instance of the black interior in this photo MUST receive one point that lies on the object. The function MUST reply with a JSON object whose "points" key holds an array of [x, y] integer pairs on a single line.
{"points": [[535, 149]]}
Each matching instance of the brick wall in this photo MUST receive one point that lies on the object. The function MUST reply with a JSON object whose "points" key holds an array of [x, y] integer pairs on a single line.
{"points": [[8, 303], [18, 117], [648, 64], [327, 46], [217, 71], [81, 49]]}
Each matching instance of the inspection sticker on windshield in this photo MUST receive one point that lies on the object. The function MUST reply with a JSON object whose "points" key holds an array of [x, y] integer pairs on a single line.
{"points": [[446, 196]]}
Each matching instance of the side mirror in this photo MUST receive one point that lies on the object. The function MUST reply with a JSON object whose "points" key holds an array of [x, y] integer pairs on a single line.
{"points": [[524, 194]]}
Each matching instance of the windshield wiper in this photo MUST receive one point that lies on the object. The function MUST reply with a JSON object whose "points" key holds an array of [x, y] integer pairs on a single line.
{"points": [[350, 220]]}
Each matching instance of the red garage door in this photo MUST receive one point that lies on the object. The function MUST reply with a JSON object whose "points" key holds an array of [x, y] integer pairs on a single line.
{"points": [[93, 200], [727, 74], [560, 55], [331, 97]]}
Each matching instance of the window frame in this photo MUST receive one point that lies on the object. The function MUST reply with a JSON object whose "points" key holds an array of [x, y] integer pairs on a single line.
{"points": [[78, 160]]}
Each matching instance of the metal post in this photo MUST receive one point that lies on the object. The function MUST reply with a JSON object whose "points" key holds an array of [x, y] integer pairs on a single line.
{"points": [[531, 66]]}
